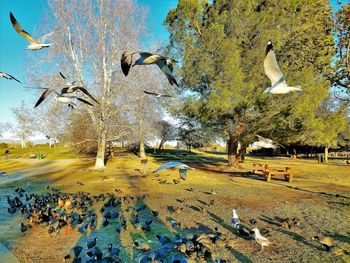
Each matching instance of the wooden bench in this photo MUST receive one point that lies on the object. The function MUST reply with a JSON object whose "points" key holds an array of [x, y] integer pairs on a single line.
{"points": [[269, 170]]}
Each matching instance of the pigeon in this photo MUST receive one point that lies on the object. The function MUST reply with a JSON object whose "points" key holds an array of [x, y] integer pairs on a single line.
{"points": [[33, 43], [24, 228], [146, 58], [91, 243], [235, 220], [8, 76], [273, 72], [260, 239], [157, 95]]}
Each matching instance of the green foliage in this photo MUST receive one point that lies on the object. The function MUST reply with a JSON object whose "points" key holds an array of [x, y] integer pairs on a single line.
{"points": [[222, 48]]}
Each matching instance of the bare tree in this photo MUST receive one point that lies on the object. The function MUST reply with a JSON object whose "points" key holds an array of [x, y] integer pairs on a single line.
{"points": [[92, 36], [25, 123]]}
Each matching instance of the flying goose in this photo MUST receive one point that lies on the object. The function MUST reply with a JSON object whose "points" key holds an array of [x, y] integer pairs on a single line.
{"points": [[8, 76], [273, 72], [157, 94], [34, 44], [146, 58]]}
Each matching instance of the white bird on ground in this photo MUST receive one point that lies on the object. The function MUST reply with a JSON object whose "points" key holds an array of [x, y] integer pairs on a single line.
{"points": [[146, 58], [8, 76], [260, 239], [168, 165], [235, 220], [34, 44], [274, 73]]}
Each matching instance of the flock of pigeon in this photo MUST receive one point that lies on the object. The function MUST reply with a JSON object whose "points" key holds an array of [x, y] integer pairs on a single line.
{"points": [[82, 212], [272, 70]]}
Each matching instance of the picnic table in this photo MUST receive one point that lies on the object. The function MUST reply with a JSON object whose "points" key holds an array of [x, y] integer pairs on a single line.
{"points": [[269, 170]]}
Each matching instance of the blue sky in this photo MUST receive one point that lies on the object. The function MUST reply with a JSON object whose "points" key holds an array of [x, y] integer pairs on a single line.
{"points": [[12, 47]]}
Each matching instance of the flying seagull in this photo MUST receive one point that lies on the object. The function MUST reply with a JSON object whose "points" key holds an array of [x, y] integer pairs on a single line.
{"points": [[69, 100], [157, 94], [71, 87], [269, 141], [34, 44], [168, 165], [8, 76], [273, 72], [260, 239], [59, 98], [146, 58]]}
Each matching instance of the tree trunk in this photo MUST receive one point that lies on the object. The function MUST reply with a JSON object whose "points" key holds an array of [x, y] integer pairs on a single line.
{"points": [[326, 154], [142, 149], [101, 149], [241, 153], [232, 145], [23, 143], [161, 144]]}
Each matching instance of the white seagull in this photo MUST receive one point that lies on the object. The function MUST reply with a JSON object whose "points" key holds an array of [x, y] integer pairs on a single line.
{"points": [[235, 220], [157, 95], [70, 100], [260, 239], [146, 58], [168, 165], [8, 76], [270, 142], [34, 44], [273, 72]]}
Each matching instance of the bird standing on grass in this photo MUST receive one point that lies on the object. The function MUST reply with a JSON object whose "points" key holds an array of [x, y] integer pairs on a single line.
{"points": [[235, 220], [274, 73], [260, 239]]}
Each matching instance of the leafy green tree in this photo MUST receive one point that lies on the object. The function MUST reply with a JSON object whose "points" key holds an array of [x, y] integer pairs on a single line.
{"points": [[340, 76], [222, 48]]}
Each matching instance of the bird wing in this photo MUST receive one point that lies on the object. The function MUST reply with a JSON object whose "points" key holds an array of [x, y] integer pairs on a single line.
{"points": [[43, 38], [20, 30], [147, 58], [8, 76], [150, 93], [164, 67], [43, 96], [84, 101], [65, 78], [263, 139], [84, 90], [271, 68], [171, 165], [126, 61]]}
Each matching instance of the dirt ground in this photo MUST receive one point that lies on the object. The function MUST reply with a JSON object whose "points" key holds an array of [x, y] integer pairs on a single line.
{"points": [[319, 199]]}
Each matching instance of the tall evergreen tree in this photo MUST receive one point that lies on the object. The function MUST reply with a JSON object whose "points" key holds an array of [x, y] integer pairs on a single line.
{"points": [[222, 48]]}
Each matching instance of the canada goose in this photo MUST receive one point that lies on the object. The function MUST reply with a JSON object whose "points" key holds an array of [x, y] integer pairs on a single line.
{"points": [[146, 58], [34, 44], [8, 76], [274, 73]]}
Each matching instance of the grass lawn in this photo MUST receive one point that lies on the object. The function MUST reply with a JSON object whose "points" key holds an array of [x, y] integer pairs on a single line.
{"points": [[319, 199]]}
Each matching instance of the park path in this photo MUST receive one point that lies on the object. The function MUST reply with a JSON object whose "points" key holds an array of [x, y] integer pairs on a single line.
{"points": [[37, 167]]}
